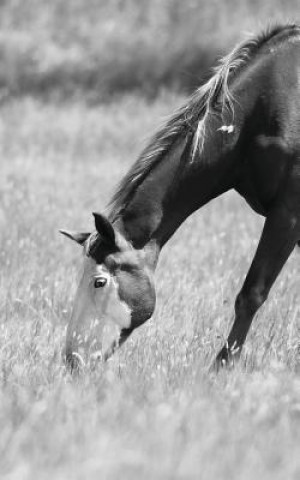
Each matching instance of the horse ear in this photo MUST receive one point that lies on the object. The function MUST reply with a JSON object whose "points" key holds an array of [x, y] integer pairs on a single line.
{"points": [[77, 237], [104, 228]]}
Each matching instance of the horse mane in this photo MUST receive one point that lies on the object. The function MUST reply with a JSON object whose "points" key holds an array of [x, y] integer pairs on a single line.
{"points": [[192, 116]]}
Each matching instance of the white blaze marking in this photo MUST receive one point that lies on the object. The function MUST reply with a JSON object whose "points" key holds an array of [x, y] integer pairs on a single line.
{"points": [[94, 308], [226, 128], [119, 310]]}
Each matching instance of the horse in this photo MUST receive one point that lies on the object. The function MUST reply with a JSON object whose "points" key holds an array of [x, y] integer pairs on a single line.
{"points": [[240, 130]]}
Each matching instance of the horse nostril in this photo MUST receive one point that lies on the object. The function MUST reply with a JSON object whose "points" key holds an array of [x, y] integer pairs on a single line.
{"points": [[74, 362]]}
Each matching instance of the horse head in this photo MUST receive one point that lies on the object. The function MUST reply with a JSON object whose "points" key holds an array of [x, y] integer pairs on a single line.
{"points": [[116, 285]]}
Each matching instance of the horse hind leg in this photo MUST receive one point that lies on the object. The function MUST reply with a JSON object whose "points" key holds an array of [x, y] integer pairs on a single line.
{"points": [[280, 234]]}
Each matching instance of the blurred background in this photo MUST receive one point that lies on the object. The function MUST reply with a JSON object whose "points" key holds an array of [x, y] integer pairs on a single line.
{"points": [[97, 48]]}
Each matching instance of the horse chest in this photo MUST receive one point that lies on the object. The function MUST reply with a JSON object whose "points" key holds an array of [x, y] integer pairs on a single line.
{"points": [[263, 172]]}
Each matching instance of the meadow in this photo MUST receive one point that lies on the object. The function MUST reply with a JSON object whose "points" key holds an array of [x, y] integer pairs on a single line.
{"points": [[83, 85], [154, 411]]}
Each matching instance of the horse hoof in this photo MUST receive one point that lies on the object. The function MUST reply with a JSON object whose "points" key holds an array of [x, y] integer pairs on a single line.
{"points": [[217, 365], [223, 361]]}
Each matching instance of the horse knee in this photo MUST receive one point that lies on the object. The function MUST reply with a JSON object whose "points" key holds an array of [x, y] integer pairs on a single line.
{"points": [[248, 302]]}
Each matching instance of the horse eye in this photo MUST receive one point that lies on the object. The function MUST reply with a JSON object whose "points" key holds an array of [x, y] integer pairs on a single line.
{"points": [[100, 282]]}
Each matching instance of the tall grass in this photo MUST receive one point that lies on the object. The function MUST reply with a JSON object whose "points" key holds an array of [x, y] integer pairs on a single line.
{"points": [[97, 48], [154, 411]]}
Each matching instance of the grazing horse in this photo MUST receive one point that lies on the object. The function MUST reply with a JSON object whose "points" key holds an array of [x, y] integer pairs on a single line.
{"points": [[240, 130]]}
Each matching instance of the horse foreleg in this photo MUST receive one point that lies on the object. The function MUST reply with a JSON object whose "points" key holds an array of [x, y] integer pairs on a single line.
{"points": [[124, 334], [278, 239]]}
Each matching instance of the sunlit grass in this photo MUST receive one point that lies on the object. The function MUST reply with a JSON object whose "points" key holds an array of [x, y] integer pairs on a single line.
{"points": [[154, 411]]}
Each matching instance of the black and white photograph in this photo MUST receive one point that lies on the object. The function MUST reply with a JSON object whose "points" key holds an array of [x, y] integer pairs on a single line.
{"points": [[149, 239]]}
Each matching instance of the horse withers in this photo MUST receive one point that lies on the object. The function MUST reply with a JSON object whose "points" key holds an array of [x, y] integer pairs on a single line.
{"points": [[240, 130]]}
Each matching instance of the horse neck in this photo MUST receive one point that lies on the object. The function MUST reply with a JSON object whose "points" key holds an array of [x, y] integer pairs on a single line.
{"points": [[177, 186]]}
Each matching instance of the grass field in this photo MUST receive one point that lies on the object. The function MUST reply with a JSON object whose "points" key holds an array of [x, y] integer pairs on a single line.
{"points": [[154, 411]]}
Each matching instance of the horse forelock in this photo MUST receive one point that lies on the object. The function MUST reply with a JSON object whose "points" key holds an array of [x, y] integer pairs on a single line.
{"points": [[193, 116], [99, 249], [91, 244]]}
